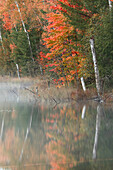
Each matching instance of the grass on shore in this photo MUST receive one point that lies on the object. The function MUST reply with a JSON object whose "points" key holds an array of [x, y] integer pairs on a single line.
{"points": [[39, 90]]}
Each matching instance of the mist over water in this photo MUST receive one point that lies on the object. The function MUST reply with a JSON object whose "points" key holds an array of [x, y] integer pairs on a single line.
{"points": [[12, 91]]}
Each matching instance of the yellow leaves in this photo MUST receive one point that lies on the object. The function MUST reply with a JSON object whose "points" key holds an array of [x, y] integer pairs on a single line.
{"points": [[68, 58], [12, 47], [73, 72]]}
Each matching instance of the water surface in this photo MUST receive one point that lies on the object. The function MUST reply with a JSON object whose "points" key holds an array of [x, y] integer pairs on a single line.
{"points": [[67, 136]]}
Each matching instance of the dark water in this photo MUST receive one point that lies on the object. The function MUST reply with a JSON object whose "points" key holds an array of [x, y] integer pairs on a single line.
{"points": [[68, 136]]}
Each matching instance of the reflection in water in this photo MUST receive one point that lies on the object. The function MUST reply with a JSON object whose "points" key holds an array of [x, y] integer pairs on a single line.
{"points": [[98, 119], [27, 132], [35, 136], [83, 111], [2, 127]]}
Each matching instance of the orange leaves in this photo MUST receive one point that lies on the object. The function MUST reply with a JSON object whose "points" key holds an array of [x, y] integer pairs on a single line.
{"points": [[29, 9], [12, 47], [7, 22], [58, 43], [72, 72]]}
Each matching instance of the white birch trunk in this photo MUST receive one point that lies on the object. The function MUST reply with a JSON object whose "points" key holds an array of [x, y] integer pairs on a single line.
{"points": [[98, 119], [41, 69], [97, 78], [83, 84], [18, 71], [1, 40], [25, 30], [110, 4]]}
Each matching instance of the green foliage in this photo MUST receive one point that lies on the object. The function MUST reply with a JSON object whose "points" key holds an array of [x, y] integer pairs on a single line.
{"points": [[68, 27], [95, 6], [93, 19], [17, 51], [101, 29], [104, 45]]}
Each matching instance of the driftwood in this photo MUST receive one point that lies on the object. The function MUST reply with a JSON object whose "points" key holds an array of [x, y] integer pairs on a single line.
{"points": [[30, 90]]}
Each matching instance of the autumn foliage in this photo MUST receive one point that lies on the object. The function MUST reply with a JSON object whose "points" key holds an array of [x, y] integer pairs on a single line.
{"points": [[48, 37]]}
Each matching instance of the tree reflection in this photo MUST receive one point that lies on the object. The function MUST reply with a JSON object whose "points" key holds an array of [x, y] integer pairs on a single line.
{"points": [[18, 143], [65, 134], [2, 127], [98, 120], [60, 138], [72, 136], [27, 132], [83, 111]]}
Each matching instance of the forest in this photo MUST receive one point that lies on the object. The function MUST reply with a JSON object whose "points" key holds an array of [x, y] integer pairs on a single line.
{"points": [[53, 38]]}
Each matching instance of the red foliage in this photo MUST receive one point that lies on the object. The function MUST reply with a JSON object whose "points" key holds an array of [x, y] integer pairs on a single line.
{"points": [[7, 21]]}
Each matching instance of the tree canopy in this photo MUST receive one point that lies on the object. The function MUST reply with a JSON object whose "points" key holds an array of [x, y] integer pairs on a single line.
{"points": [[52, 37]]}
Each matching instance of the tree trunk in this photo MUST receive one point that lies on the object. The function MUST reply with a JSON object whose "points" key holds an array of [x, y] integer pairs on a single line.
{"points": [[110, 4], [1, 40], [41, 70], [25, 30], [18, 73], [97, 77], [83, 84]]}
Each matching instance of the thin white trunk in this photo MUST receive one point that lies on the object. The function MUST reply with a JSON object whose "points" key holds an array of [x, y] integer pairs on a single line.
{"points": [[18, 73], [83, 111], [110, 4], [25, 30], [97, 77], [1, 40], [83, 84], [41, 69], [98, 119]]}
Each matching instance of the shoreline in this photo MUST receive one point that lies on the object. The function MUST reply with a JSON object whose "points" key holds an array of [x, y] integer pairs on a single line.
{"points": [[37, 89]]}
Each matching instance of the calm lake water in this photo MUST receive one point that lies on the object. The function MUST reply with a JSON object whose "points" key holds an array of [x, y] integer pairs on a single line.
{"points": [[47, 137]]}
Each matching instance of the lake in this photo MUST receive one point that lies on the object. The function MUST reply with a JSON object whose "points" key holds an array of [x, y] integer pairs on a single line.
{"points": [[41, 136]]}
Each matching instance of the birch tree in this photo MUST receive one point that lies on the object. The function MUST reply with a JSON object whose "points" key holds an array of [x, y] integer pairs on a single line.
{"points": [[110, 4], [83, 84], [18, 73], [97, 77], [25, 30], [1, 40]]}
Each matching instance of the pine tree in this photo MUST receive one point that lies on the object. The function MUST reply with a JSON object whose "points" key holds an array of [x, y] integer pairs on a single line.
{"points": [[93, 20]]}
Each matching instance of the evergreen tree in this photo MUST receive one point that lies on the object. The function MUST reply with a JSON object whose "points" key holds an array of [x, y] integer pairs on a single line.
{"points": [[21, 51], [92, 19], [101, 29]]}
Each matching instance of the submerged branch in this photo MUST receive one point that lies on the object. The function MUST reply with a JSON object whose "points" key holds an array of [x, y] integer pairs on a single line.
{"points": [[29, 90]]}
